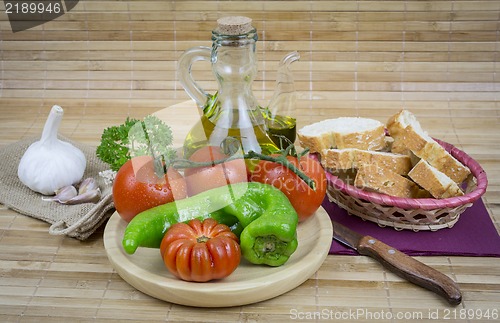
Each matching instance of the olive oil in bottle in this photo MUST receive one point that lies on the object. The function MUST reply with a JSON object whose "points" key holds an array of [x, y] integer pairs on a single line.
{"points": [[282, 130], [207, 133]]}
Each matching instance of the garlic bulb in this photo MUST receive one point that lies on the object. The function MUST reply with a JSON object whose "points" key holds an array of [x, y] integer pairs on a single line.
{"points": [[51, 164]]}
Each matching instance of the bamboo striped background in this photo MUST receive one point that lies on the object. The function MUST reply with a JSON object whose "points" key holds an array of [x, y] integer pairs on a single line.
{"points": [[367, 57]]}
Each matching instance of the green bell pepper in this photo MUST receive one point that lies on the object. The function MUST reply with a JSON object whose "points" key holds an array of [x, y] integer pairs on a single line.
{"points": [[260, 214]]}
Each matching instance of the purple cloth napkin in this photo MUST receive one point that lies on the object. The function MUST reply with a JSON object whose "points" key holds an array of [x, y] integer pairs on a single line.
{"points": [[474, 234]]}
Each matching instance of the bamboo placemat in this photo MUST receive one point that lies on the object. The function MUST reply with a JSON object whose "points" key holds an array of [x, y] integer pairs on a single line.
{"points": [[49, 278], [106, 60]]}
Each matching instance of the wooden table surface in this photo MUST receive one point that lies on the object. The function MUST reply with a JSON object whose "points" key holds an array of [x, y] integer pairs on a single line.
{"points": [[56, 278]]}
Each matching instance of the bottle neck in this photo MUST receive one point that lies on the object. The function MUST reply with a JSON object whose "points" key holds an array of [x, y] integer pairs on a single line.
{"points": [[220, 39], [233, 58], [234, 65]]}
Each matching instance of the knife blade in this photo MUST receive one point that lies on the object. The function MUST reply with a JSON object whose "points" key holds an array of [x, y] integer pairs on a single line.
{"points": [[399, 263]]}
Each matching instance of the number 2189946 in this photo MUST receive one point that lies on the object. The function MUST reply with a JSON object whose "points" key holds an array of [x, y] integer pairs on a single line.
{"points": [[32, 7]]}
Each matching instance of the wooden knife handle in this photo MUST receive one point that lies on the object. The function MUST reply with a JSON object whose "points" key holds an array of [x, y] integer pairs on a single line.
{"points": [[411, 269]]}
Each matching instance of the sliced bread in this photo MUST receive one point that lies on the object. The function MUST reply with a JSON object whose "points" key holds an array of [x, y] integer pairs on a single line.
{"points": [[348, 158], [384, 181], [396, 126], [399, 121], [409, 135], [435, 182], [344, 132]]}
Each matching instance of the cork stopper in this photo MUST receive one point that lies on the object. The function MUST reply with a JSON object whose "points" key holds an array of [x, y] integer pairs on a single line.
{"points": [[234, 25]]}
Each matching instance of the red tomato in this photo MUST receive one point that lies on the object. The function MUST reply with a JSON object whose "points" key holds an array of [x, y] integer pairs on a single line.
{"points": [[200, 251], [136, 187], [199, 179], [304, 199]]}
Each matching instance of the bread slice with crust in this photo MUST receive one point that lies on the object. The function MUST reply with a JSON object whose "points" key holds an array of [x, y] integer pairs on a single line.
{"points": [[408, 135], [384, 181], [435, 182], [343, 159], [396, 126], [344, 132]]}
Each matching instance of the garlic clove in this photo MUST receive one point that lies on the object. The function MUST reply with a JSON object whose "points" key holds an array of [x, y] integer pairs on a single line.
{"points": [[63, 194], [86, 185], [89, 192], [91, 196]]}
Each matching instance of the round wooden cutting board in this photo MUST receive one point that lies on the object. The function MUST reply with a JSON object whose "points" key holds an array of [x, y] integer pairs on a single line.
{"points": [[247, 284]]}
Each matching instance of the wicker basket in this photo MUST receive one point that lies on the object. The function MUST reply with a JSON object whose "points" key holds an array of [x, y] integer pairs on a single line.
{"points": [[406, 213]]}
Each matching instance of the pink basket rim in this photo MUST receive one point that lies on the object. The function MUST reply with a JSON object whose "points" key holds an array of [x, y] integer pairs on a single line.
{"points": [[423, 203]]}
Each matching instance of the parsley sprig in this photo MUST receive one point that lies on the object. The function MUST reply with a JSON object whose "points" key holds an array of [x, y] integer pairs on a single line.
{"points": [[150, 136]]}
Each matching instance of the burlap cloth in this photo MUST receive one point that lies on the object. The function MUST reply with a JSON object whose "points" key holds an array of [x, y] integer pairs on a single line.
{"points": [[77, 221]]}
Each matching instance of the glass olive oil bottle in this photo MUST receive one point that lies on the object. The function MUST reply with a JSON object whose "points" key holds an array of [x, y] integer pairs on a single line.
{"points": [[232, 116]]}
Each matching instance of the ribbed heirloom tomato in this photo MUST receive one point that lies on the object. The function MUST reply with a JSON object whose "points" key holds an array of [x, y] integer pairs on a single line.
{"points": [[303, 199], [200, 251], [136, 187]]}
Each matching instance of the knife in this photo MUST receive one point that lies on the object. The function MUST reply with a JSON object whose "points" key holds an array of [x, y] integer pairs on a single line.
{"points": [[399, 263]]}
